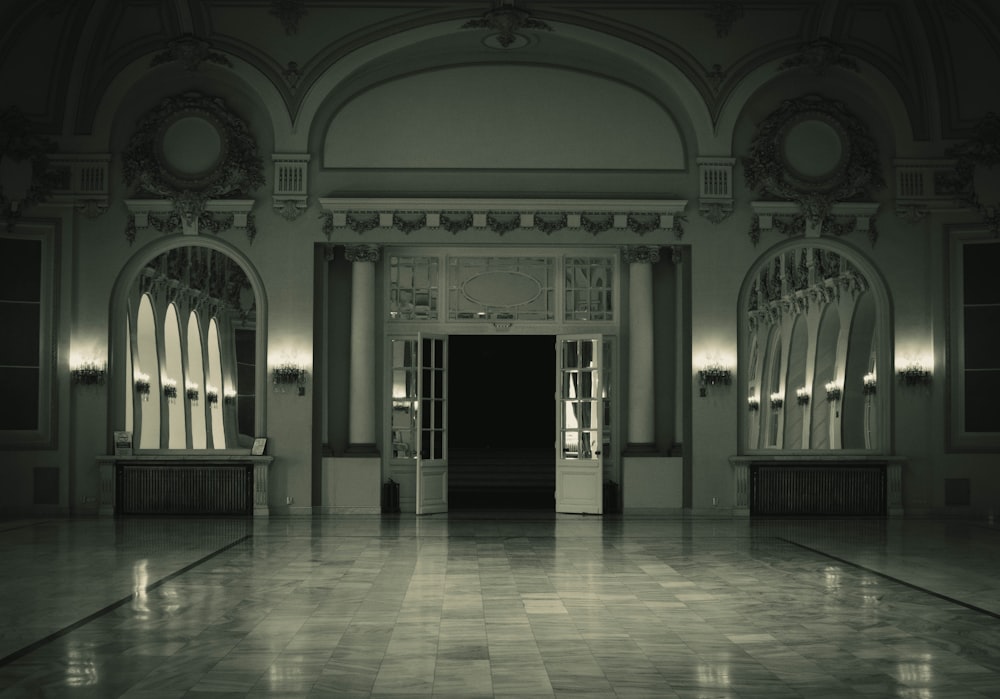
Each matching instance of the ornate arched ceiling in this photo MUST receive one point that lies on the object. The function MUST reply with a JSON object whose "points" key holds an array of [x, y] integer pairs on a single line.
{"points": [[57, 57]]}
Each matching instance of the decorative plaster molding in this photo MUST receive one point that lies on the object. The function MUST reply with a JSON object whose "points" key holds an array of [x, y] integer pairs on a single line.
{"points": [[190, 51], [715, 177], [507, 21], [362, 253], [24, 163], [924, 186], [641, 254], [217, 215], [234, 168], [819, 56], [289, 12], [502, 216], [724, 15], [853, 173], [982, 150], [789, 219], [716, 76]]}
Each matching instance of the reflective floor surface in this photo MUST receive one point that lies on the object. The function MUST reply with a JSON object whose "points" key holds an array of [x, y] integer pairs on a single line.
{"points": [[499, 605]]}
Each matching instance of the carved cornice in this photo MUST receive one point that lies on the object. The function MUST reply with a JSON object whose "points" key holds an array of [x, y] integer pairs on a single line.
{"points": [[191, 52], [855, 172], [362, 253], [502, 216]]}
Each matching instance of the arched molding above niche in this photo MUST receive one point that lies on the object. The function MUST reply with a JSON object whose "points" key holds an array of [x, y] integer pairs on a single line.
{"points": [[695, 120], [118, 355], [805, 278], [509, 116]]}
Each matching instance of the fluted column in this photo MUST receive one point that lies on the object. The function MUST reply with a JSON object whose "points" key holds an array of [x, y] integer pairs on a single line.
{"points": [[362, 389], [641, 431]]}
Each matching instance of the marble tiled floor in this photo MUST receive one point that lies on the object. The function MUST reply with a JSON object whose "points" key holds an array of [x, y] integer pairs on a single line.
{"points": [[499, 605]]}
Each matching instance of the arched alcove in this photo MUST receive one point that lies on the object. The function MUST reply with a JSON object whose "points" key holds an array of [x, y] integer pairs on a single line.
{"points": [[203, 275], [816, 323]]}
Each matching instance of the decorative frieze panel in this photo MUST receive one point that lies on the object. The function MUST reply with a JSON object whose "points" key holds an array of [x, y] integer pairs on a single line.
{"points": [[217, 215], [502, 216], [789, 219]]}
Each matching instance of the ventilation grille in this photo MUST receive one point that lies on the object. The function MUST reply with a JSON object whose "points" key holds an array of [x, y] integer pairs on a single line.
{"points": [[185, 489], [783, 489]]}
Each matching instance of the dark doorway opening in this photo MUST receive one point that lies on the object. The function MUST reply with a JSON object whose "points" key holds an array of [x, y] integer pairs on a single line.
{"points": [[501, 422]]}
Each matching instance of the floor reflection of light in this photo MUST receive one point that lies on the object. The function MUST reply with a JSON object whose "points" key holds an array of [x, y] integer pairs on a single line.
{"points": [[81, 671], [918, 670], [715, 675], [140, 578], [832, 577]]}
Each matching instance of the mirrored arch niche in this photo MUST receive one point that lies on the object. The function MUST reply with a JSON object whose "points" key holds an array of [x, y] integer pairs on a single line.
{"points": [[215, 298], [814, 341]]}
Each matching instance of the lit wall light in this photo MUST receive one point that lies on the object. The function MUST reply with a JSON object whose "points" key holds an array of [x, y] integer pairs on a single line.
{"points": [[802, 395], [870, 385], [89, 372], [191, 391], [229, 397], [141, 382], [714, 374], [211, 395], [777, 401], [915, 374], [753, 403], [288, 374], [170, 389], [833, 391]]}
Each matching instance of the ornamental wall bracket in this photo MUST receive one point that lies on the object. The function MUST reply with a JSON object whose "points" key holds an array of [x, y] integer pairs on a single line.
{"points": [[291, 184], [507, 21], [190, 52], [502, 216], [289, 12], [815, 153], [715, 195], [192, 150], [974, 177], [82, 182], [724, 15], [819, 56]]}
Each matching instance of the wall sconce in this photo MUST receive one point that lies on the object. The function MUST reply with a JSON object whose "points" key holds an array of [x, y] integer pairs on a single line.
{"points": [[170, 390], [776, 401], [142, 385], [230, 397], [833, 391], [914, 374], [714, 375], [870, 385], [191, 390], [89, 373], [753, 403], [288, 374], [802, 395], [211, 395]]}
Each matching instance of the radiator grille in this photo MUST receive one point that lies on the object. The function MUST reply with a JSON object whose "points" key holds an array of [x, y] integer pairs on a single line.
{"points": [[171, 489], [783, 489]]}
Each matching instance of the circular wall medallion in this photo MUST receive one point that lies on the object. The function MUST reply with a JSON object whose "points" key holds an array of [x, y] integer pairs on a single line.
{"points": [[191, 146], [814, 148]]}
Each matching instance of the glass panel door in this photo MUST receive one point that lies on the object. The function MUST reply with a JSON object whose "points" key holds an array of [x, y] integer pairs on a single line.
{"points": [[580, 424], [432, 435]]}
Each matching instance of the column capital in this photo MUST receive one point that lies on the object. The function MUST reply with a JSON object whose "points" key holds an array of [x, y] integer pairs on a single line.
{"points": [[641, 253], [362, 253]]}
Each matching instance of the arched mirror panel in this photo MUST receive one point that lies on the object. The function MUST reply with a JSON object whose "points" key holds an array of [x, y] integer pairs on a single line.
{"points": [[190, 318], [816, 316]]}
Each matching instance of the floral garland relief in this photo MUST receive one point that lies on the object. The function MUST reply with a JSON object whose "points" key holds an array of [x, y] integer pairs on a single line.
{"points": [[235, 171]]}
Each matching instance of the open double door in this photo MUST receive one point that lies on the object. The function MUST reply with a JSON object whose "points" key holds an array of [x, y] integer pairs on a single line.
{"points": [[579, 435]]}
